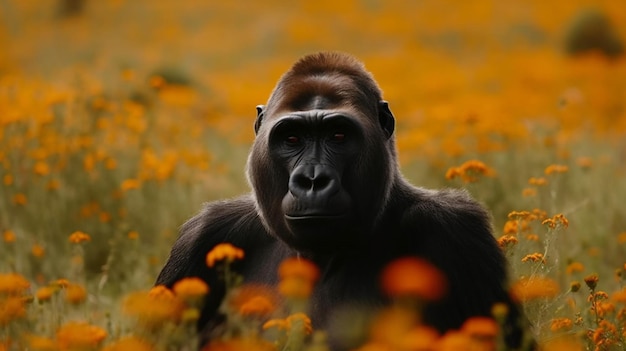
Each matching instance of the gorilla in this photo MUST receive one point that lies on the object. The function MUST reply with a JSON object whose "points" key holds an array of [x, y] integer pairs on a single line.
{"points": [[326, 186]]}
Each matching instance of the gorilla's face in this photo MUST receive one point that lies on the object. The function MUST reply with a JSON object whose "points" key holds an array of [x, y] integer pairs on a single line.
{"points": [[323, 160], [317, 149]]}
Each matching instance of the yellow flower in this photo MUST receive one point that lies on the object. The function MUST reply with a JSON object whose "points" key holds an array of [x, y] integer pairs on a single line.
{"points": [[411, 276], [79, 237], [75, 294], [129, 343], [8, 236], [223, 251], [79, 335], [190, 289]]}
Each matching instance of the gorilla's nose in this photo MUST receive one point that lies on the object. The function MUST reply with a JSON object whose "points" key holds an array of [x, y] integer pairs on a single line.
{"points": [[314, 181]]}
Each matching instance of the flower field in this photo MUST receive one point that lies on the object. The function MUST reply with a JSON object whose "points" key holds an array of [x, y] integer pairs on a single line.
{"points": [[119, 118]]}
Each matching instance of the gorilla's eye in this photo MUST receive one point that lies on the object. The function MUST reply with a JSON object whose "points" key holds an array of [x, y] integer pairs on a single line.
{"points": [[339, 137], [292, 140]]}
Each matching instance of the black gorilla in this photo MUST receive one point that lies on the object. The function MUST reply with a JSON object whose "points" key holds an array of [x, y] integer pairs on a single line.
{"points": [[326, 185]]}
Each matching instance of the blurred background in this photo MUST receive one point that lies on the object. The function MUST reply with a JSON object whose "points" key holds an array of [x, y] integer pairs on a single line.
{"points": [[123, 117]]}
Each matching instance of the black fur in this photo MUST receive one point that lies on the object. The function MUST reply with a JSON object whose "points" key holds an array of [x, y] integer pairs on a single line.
{"points": [[325, 156]]}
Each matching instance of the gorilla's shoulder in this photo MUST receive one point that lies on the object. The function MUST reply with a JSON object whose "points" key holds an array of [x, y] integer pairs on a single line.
{"points": [[449, 209], [224, 221]]}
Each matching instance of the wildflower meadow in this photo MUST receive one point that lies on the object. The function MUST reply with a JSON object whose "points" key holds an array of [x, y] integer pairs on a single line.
{"points": [[119, 118]]}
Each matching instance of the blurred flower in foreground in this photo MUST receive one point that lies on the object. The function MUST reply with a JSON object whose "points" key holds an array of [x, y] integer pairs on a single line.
{"points": [[153, 310], [240, 344], [253, 300], [527, 289], [79, 336], [13, 284], [411, 276], [191, 290], [297, 277], [224, 251], [130, 343], [40, 343]]}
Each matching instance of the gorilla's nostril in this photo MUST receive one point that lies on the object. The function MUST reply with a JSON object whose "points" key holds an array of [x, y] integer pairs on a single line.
{"points": [[304, 182], [320, 183]]}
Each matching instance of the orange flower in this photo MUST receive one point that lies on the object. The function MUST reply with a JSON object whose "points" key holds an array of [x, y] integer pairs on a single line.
{"points": [[253, 299], [133, 235], [537, 181], [619, 296], [511, 227], [456, 341], [40, 343], [280, 324], [20, 199], [13, 284], [129, 343], [8, 236], [469, 171], [527, 289], [483, 327], [556, 221], [295, 288], [592, 281], [161, 292], [574, 267], [553, 169], [223, 251], [75, 294], [240, 344], [38, 251], [534, 257], [45, 293], [413, 277], [79, 335], [298, 268], [153, 310], [300, 321], [41, 168], [584, 162], [507, 241], [561, 324], [529, 192], [419, 338], [130, 184], [79, 237], [191, 289], [564, 343], [11, 308]]}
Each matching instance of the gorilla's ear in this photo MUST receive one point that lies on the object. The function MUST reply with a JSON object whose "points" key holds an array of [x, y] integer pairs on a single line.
{"points": [[260, 109], [386, 118]]}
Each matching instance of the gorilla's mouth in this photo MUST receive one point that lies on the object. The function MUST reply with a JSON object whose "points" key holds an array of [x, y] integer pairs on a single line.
{"points": [[315, 217]]}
